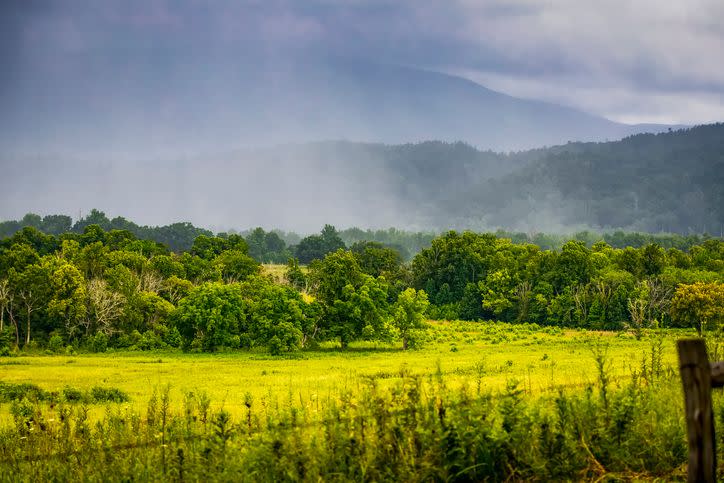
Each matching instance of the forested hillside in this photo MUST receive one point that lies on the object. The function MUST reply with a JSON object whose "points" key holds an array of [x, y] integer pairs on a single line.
{"points": [[670, 182], [664, 182]]}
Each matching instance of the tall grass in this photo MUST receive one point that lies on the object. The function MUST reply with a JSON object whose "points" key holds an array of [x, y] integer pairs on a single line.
{"points": [[419, 429]]}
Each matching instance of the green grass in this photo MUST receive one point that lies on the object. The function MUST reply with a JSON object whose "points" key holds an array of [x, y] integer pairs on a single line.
{"points": [[481, 401], [485, 354], [276, 271]]}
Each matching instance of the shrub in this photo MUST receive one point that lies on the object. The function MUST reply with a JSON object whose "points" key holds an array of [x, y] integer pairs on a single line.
{"points": [[149, 341], [15, 392], [55, 344], [108, 394], [172, 338], [71, 394], [98, 343]]}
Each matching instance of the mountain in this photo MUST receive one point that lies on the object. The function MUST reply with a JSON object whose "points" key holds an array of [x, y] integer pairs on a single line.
{"points": [[671, 181], [140, 104]]}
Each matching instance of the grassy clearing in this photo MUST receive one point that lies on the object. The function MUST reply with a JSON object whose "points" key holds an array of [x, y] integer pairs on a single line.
{"points": [[468, 354], [481, 401], [276, 271]]}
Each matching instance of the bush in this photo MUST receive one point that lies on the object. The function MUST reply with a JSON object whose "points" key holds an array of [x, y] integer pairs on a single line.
{"points": [[276, 347], [10, 392], [149, 341], [98, 343], [172, 338], [417, 338], [108, 394], [55, 344], [7, 339], [71, 394], [15, 392]]}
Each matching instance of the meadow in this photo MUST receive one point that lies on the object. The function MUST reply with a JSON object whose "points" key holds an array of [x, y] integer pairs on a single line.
{"points": [[477, 401], [486, 355]]}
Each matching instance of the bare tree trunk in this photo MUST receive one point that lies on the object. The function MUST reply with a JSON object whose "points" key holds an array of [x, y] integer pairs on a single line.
{"points": [[522, 291], [27, 335], [404, 343], [5, 300]]}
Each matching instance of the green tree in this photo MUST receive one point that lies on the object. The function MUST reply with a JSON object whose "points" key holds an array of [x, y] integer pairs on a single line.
{"points": [[409, 313], [17, 257], [56, 224], [208, 248], [275, 248], [355, 304], [32, 290], [699, 305], [95, 217], [236, 265], [360, 312], [572, 266], [68, 295], [257, 246], [315, 247], [653, 259], [498, 293], [276, 315], [212, 316], [375, 259]]}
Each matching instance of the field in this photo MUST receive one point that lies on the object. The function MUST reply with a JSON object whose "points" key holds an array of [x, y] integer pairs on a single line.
{"points": [[466, 354], [478, 401]]}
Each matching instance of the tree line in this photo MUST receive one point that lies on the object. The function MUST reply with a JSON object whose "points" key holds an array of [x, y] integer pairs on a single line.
{"points": [[480, 276], [276, 246], [101, 289]]}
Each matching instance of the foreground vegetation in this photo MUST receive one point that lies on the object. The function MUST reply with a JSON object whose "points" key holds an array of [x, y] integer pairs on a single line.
{"points": [[477, 403], [107, 371]]}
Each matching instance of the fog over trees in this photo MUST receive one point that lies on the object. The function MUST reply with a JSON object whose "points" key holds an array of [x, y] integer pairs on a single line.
{"points": [[671, 182]]}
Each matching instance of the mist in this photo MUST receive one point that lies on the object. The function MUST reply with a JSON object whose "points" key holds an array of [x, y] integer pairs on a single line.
{"points": [[290, 115], [288, 188]]}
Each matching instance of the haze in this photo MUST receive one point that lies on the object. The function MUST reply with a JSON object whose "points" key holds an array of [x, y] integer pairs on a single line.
{"points": [[163, 111]]}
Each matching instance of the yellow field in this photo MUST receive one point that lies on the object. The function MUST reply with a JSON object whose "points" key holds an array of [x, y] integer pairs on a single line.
{"points": [[276, 271], [466, 354]]}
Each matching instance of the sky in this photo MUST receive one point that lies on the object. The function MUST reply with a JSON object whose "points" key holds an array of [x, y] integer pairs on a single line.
{"points": [[102, 102], [632, 61]]}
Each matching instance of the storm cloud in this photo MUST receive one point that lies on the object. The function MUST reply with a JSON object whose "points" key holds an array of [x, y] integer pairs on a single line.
{"points": [[153, 109], [643, 61]]}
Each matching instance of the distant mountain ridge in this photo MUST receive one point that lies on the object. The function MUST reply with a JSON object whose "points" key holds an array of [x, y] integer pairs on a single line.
{"points": [[672, 182], [163, 104]]}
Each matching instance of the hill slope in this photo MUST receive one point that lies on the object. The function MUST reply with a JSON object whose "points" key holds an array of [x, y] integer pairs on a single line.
{"points": [[671, 181], [141, 104]]}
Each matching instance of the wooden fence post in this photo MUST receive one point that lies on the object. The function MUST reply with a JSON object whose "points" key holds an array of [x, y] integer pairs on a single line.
{"points": [[696, 376]]}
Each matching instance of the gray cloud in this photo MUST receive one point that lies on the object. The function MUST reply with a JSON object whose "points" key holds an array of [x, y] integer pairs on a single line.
{"points": [[645, 60]]}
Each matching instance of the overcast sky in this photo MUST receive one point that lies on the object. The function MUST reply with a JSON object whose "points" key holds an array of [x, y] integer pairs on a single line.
{"points": [[629, 60]]}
